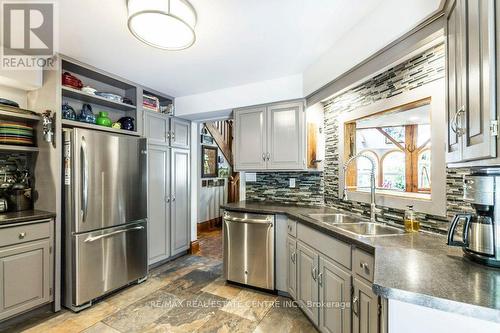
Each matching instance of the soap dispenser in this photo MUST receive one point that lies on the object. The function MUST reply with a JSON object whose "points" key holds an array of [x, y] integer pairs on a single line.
{"points": [[411, 223]]}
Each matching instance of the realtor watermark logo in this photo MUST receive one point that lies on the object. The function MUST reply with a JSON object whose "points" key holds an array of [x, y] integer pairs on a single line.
{"points": [[28, 34]]}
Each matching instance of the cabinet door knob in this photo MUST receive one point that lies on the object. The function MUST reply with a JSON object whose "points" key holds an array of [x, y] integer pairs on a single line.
{"points": [[173, 198], [364, 266], [22, 235], [293, 257]]}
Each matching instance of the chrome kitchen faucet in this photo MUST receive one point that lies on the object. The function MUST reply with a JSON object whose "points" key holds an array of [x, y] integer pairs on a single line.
{"points": [[373, 206]]}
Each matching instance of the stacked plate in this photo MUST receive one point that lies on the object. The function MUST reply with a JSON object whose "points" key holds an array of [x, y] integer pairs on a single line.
{"points": [[14, 133]]}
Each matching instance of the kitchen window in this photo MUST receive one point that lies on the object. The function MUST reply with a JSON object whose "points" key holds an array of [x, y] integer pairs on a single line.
{"points": [[398, 142], [403, 136]]}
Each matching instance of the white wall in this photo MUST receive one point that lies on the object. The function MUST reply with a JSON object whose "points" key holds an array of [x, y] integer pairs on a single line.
{"points": [[21, 79], [285, 88], [210, 200], [372, 33], [17, 95]]}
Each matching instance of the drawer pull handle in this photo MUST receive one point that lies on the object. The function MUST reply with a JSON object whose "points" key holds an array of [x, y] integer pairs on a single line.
{"points": [[355, 306], [22, 235], [364, 266]]}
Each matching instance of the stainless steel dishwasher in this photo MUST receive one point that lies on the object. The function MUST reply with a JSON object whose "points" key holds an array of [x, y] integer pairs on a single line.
{"points": [[249, 249]]}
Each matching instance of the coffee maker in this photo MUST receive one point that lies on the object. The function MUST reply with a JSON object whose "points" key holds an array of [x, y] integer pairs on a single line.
{"points": [[481, 230]]}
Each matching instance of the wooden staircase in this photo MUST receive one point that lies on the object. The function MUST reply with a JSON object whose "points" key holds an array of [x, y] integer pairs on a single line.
{"points": [[222, 132]]}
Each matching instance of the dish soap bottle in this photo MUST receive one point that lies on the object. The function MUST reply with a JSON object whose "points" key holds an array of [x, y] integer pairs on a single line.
{"points": [[411, 223]]}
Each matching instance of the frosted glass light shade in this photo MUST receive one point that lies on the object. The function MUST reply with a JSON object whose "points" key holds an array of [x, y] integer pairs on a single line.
{"points": [[164, 24]]}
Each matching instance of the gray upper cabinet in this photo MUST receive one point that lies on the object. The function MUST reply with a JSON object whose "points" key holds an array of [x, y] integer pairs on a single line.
{"points": [[365, 308], [334, 286], [250, 138], [156, 127], [307, 281], [180, 133], [180, 202], [471, 81], [285, 136], [158, 203], [270, 137]]}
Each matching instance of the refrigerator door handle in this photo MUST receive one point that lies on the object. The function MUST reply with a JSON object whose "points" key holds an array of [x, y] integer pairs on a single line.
{"points": [[92, 239], [85, 179]]}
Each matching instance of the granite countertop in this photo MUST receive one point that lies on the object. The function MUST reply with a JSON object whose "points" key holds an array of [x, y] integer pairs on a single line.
{"points": [[24, 216], [416, 268]]}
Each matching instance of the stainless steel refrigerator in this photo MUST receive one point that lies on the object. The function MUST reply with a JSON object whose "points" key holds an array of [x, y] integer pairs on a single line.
{"points": [[104, 214]]}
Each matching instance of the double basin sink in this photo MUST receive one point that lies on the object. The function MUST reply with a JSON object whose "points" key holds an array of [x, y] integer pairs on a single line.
{"points": [[355, 225]]}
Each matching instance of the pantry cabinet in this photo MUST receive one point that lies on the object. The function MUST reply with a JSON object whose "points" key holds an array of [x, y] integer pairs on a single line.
{"points": [[158, 203], [180, 198], [159, 128], [471, 95], [168, 186], [180, 133], [156, 127], [270, 137]]}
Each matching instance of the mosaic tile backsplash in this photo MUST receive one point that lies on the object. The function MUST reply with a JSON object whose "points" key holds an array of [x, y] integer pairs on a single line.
{"points": [[420, 70], [274, 186]]}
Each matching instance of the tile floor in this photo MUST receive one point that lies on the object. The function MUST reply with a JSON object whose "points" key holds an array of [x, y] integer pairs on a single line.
{"points": [[211, 244], [185, 295]]}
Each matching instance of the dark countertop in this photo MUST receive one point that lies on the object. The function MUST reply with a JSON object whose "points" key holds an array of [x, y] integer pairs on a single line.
{"points": [[24, 216], [416, 268]]}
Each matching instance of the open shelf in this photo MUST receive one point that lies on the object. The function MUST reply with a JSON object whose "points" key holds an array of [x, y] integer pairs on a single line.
{"points": [[73, 123], [15, 148], [94, 99], [12, 113]]}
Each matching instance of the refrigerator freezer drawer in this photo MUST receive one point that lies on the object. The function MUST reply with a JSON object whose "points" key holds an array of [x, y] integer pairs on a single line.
{"points": [[108, 259]]}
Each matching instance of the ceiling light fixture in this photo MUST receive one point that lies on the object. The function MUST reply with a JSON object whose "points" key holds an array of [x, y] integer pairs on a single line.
{"points": [[164, 24]]}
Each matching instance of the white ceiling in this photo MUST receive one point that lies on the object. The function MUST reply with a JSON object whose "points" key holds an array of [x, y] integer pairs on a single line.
{"points": [[238, 41]]}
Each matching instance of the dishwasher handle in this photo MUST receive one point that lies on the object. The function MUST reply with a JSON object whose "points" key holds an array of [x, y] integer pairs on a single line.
{"points": [[249, 221]]}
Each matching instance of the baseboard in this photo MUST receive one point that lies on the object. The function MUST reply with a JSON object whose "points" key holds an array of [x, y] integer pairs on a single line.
{"points": [[194, 247], [209, 225]]}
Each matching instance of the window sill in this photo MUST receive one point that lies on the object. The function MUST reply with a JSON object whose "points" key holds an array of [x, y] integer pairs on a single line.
{"points": [[409, 195]]}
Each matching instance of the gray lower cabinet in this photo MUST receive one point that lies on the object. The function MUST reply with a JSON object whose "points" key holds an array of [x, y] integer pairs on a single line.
{"points": [[331, 282], [158, 203], [307, 281], [291, 271], [334, 295], [180, 199], [365, 308], [26, 268]]}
